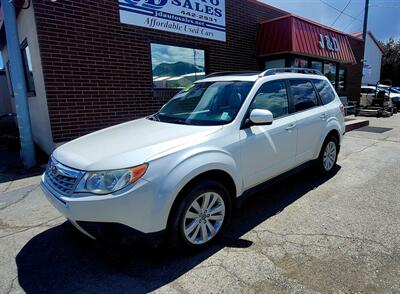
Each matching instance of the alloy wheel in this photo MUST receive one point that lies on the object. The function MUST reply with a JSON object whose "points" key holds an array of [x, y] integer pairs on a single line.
{"points": [[330, 154], [204, 218]]}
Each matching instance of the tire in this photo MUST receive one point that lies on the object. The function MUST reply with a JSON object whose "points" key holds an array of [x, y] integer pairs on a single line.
{"points": [[326, 162], [195, 222]]}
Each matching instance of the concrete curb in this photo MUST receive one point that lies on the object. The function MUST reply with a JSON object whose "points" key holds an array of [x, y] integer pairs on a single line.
{"points": [[354, 124]]}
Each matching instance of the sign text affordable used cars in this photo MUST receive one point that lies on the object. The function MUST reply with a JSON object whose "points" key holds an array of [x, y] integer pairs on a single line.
{"points": [[199, 18]]}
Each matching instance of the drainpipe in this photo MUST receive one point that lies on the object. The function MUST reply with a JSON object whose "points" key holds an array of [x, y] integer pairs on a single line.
{"points": [[19, 86]]}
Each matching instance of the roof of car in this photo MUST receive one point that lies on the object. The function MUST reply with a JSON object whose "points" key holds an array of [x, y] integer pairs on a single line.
{"points": [[254, 77]]}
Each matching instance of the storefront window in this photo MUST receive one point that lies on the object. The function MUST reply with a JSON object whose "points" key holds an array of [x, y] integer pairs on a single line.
{"points": [[9, 79], [299, 63], [342, 79], [277, 63], [1, 62], [330, 72], [316, 65], [27, 63], [176, 67]]}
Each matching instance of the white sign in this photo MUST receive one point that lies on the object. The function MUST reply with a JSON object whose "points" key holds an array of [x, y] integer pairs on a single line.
{"points": [[199, 18], [328, 42]]}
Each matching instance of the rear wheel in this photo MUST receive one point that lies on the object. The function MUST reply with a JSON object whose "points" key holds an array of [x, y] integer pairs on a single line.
{"points": [[200, 217], [328, 155]]}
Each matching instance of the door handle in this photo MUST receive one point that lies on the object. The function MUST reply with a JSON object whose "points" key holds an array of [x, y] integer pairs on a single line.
{"points": [[290, 127], [323, 116]]}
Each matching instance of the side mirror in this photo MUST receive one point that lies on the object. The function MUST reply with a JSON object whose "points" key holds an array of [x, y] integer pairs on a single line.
{"points": [[261, 117]]}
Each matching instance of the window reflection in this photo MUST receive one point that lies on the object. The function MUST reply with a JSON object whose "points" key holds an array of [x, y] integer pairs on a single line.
{"points": [[272, 96], [303, 94], [330, 72], [325, 91], [342, 79], [176, 67], [27, 63], [1, 62], [299, 63], [316, 65], [276, 63]]}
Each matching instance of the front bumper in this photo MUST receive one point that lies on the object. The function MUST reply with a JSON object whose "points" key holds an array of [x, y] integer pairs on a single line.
{"points": [[129, 215], [118, 233]]}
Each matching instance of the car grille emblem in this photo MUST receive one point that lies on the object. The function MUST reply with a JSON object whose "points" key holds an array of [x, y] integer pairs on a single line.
{"points": [[53, 170]]}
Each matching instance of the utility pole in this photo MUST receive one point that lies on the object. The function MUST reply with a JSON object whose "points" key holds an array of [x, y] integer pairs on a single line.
{"points": [[365, 29], [19, 85], [365, 20]]}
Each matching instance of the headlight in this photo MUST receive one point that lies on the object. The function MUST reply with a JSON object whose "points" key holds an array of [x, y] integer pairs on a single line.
{"points": [[106, 182]]}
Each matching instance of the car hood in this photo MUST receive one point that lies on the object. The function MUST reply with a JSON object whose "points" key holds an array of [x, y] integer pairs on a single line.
{"points": [[128, 144]]}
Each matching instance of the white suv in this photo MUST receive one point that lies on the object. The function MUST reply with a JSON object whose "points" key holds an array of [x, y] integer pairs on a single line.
{"points": [[177, 174]]}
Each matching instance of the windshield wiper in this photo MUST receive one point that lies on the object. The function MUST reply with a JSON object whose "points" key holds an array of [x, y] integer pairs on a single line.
{"points": [[154, 117], [178, 121]]}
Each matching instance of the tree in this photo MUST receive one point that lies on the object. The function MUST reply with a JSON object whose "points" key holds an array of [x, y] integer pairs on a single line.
{"points": [[391, 61]]}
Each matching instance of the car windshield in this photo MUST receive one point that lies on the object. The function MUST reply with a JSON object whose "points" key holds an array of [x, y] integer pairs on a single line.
{"points": [[205, 103]]}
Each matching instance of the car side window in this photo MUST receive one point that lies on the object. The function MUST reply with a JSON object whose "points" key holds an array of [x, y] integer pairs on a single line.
{"points": [[272, 96], [304, 95], [325, 91]]}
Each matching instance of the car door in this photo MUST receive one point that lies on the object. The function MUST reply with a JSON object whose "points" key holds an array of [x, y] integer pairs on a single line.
{"points": [[268, 150], [311, 117]]}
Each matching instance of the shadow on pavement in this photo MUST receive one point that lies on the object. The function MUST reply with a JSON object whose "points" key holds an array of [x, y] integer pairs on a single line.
{"points": [[61, 260], [11, 168]]}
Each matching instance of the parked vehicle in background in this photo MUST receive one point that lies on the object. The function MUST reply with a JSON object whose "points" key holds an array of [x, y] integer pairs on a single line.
{"points": [[368, 94], [177, 174], [379, 100], [393, 92]]}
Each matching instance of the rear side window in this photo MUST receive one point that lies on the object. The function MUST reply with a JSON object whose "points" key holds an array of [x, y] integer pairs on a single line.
{"points": [[304, 96], [272, 96], [325, 91]]}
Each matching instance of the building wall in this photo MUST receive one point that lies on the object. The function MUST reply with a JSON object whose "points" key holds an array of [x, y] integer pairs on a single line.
{"points": [[373, 62], [37, 104], [353, 75], [97, 71]]}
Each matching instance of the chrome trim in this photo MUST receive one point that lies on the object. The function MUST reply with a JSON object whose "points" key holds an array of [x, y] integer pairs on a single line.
{"points": [[62, 179]]}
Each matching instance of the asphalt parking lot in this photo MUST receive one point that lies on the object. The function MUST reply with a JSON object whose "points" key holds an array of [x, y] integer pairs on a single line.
{"points": [[308, 234]]}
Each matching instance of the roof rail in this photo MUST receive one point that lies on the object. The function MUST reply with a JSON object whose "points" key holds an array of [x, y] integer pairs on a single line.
{"points": [[231, 73], [274, 71]]}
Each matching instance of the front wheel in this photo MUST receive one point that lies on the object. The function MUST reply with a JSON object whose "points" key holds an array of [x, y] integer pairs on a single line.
{"points": [[200, 217], [328, 155]]}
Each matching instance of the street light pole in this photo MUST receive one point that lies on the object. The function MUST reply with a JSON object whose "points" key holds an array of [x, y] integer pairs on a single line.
{"points": [[19, 84]]}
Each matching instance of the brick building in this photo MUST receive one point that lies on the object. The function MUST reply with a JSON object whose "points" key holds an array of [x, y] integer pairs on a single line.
{"points": [[89, 66]]}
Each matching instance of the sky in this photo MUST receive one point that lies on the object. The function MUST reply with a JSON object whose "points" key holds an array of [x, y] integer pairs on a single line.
{"points": [[383, 16]]}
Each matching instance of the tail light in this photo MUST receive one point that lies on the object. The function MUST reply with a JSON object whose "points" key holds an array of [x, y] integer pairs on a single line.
{"points": [[341, 107]]}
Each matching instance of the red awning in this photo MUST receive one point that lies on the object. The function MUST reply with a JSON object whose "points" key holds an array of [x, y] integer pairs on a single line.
{"points": [[296, 35]]}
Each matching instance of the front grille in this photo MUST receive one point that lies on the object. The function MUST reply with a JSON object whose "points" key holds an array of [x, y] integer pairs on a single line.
{"points": [[61, 178]]}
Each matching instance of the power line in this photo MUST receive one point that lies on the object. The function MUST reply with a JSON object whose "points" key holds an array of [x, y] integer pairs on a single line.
{"points": [[338, 10], [358, 15], [340, 14]]}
